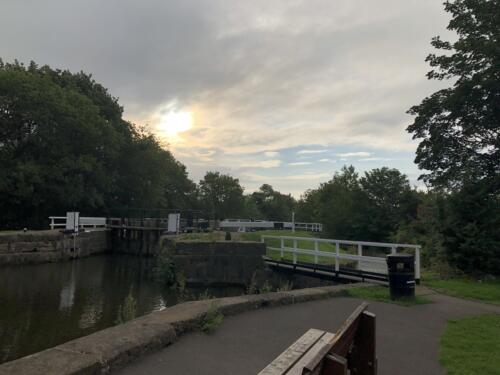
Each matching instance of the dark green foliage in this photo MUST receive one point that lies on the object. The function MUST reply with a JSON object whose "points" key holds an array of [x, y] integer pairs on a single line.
{"points": [[65, 146], [271, 204], [426, 229], [221, 195], [367, 208], [228, 236], [165, 269], [459, 128], [472, 228]]}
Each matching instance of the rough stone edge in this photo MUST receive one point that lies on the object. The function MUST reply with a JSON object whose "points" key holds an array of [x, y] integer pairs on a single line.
{"points": [[112, 348]]}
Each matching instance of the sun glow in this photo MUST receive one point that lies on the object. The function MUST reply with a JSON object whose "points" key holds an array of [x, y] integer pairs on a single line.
{"points": [[172, 123]]}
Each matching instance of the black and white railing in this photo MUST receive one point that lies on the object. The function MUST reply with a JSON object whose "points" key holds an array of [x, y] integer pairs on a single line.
{"points": [[342, 251]]}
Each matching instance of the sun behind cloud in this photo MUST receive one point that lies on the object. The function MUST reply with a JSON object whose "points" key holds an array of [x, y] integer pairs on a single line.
{"points": [[173, 122]]}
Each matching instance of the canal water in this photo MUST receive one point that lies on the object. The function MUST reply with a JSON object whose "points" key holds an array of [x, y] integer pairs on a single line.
{"points": [[44, 305]]}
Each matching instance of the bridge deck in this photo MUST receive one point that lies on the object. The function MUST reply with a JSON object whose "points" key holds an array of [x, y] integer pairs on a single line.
{"points": [[327, 271]]}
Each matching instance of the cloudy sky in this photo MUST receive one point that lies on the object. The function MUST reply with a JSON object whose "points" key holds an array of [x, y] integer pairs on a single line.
{"points": [[279, 92]]}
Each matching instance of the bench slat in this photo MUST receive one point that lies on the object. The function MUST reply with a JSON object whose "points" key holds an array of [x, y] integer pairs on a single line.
{"points": [[314, 356], [290, 356]]}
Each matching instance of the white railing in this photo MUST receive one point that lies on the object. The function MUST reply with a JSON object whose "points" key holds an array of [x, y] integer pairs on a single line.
{"points": [[84, 222], [364, 262], [309, 227], [243, 224]]}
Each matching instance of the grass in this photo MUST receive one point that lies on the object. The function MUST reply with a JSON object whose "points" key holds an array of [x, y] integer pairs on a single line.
{"points": [[488, 291], [471, 346], [382, 294], [301, 244], [209, 236], [212, 320]]}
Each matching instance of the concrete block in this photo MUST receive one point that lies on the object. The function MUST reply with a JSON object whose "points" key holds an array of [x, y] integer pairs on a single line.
{"points": [[116, 346], [53, 361]]}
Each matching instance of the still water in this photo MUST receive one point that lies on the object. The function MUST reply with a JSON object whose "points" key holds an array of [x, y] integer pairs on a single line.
{"points": [[45, 305]]}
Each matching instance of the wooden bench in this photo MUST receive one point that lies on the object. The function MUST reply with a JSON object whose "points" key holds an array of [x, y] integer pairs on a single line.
{"points": [[318, 352]]}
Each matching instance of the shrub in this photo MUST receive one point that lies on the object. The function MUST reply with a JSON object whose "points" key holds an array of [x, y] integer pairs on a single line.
{"points": [[212, 319]]}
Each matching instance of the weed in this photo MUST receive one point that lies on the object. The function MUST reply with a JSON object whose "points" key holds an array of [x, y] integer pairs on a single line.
{"points": [[212, 319]]}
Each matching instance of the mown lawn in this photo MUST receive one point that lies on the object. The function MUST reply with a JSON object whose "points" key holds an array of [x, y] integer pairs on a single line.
{"points": [[381, 294], [488, 291], [471, 346]]}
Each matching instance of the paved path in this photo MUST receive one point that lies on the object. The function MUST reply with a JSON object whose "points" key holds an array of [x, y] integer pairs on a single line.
{"points": [[407, 337]]}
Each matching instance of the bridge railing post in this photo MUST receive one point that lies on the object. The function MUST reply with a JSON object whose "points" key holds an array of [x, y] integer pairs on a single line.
{"points": [[337, 254], [316, 249], [360, 254], [294, 251], [417, 263]]}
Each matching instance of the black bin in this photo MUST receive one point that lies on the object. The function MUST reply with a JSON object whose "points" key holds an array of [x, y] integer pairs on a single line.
{"points": [[401, 268]]}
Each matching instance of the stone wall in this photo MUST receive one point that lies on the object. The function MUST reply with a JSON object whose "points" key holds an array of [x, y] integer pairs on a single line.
{"points": [[211, 263], [136, 242], [49, 246], [110, 349]]}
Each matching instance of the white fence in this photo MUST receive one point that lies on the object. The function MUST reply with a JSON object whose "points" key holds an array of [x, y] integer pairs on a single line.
{"points": [[84, 222], [364, 262], [245, 224], [308, 227], [72, 219]]}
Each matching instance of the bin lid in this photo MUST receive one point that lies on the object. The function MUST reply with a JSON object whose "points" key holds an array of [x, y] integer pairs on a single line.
{"points": [[399, 257]]}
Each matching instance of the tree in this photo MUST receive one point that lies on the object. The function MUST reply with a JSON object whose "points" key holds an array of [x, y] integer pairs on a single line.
{"points": [[459, 127], [426, 229], [471, 229], [391, 201], [221, 195], [65, 146], [340, 204], [272, 205]]}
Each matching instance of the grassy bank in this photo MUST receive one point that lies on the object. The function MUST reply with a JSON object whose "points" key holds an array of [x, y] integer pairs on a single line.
{"points": [[381, 294], [472, 345], [488, 291]]}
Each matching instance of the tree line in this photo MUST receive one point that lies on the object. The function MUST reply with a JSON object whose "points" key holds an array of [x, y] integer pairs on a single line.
{"points": [[64, 145]]}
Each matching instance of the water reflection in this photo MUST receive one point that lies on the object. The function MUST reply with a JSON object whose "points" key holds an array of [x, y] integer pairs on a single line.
{"points": [[44, 305]]}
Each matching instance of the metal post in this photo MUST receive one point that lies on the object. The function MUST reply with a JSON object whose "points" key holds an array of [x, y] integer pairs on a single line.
{"points": [[282, 247], [51, 223], [360, 254], [293, 222], [417, 264], [316, 249], [393, 250], [294, 251]]}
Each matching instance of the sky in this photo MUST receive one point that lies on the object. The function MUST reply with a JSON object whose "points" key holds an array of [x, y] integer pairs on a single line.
{"points": [[278, 92]]}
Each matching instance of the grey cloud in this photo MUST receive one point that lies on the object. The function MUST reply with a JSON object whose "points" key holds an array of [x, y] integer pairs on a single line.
{"points": [[267, 74]]}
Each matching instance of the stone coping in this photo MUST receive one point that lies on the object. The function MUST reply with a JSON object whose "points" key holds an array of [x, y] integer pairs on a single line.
{"points": [[111, 348]]}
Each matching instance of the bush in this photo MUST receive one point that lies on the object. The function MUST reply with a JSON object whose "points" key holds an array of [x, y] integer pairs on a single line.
{"points": [[165, 270], [266, 287]]}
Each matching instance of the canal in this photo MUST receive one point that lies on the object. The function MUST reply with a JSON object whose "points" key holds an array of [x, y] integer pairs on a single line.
{"points": [[44, 305]]}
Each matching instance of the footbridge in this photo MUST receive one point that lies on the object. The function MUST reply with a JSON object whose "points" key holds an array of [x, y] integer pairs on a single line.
{"points": [[335, 259]]}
